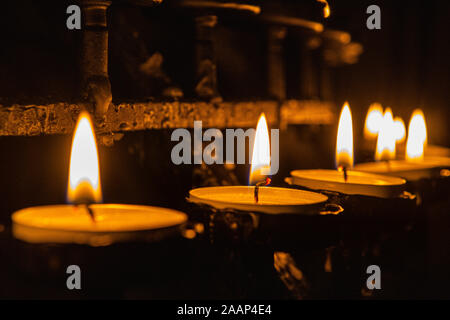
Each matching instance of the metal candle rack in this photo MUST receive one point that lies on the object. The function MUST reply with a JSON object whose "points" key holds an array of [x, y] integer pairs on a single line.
{"points": [[385, 232], [329, 249], [259, 246], [306, 101]]}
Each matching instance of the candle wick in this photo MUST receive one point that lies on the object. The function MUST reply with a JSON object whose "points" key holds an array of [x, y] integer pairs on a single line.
{"points": [[388, 164], [344, 171], [89, 210], [260, 184]]}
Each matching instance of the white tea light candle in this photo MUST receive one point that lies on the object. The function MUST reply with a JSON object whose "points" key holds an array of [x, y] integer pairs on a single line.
{"points": [[88, 222]]}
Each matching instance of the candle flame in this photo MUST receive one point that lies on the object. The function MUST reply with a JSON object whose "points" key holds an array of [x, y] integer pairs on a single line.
{"points": [[417, 136], [260, 165], [344, 143], [374, 119], [84, 176], [387, 137]]}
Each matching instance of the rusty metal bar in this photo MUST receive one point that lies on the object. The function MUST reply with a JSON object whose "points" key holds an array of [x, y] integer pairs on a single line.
{"points": [[309, 112], [60, 118], [221, 5], [293, 22]]}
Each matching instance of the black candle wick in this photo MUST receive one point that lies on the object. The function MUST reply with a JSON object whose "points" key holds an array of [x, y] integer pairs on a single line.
{"points": [[388, 164], [260, 184], [344, 170], [89, 210]]}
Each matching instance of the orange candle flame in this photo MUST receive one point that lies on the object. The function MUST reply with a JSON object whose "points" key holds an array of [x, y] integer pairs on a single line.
{"points": [[260, 165], [387, 138], [417, 136], [84, 174], [374, 119], [344, 143]]}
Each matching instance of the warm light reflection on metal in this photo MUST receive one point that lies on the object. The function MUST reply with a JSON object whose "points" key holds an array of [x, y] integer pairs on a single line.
{"points": [[326, 8], [218, 5]]}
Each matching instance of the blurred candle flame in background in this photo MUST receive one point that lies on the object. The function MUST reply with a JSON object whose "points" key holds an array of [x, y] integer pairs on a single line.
{"points": [[387, 137], [84, 173], [344, 142], [417, 136], [400, 129], [260, 165], [374, 120]]}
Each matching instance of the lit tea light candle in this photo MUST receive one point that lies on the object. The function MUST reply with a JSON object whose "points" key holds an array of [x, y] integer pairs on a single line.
{"points": [[262, 199], [417, 137], [86, 221], [398, 168], [272, 200], [417, 143], [416, 165], [345, 180]]}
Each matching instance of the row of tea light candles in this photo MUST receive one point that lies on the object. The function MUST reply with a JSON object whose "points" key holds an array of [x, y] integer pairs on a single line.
{"points": [[86, 221], [389, 131]]}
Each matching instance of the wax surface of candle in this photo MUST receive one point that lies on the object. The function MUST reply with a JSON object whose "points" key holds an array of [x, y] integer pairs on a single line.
{"points": [[271, 199], [409, 170], [437, 151], [113, 223], [437, 161], [108, 217], [357, 182]]}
